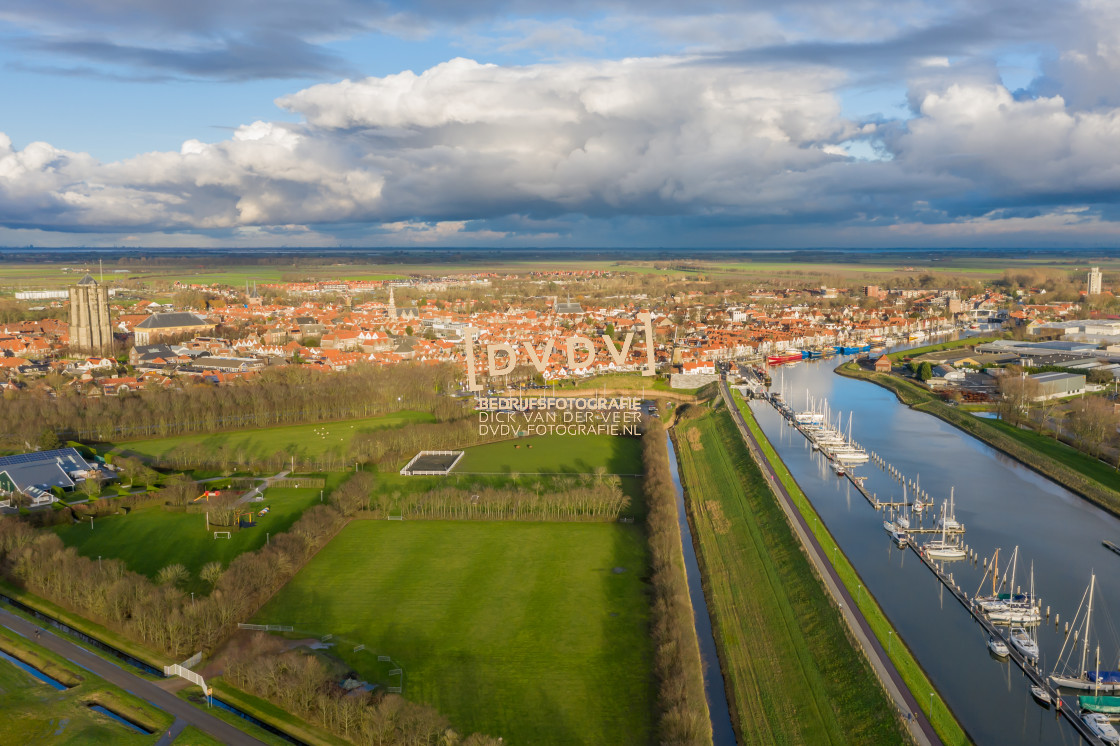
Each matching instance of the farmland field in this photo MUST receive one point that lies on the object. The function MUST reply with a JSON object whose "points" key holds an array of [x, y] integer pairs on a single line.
{"points": [[550, 454], [303, 441], [149, 539], [793, 676], [519, 630]]}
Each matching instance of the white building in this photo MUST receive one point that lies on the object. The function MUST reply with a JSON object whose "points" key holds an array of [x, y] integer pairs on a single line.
{"points": [[1095, 281]]}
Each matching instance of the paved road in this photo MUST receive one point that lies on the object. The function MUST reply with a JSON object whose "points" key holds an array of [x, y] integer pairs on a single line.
{"points": [[920, 728], [183, 711], [261, 487]]}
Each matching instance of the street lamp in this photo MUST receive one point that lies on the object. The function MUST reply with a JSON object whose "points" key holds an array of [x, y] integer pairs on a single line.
{"points": [[99, 563], [890, 638]]}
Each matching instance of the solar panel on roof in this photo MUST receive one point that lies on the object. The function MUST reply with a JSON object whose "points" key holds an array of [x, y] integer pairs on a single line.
{"points": [[65, 454]]}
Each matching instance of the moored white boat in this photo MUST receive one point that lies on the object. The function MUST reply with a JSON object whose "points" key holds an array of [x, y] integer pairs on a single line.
{"points": [[1100, 682], [1022, 641], [1101, 728], [1041, 696], [944, 549], [998, 647], [899, 536]]}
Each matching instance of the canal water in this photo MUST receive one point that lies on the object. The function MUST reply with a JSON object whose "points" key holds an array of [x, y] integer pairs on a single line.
{"points": [[1001, 504], [723, 733]]}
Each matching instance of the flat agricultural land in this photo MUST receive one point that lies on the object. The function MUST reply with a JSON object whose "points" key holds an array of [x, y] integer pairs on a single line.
{"points": [[50, 274], [793, 676], [148, 539], [553, 454], [36, 713], [519, 630], [304, 441]]}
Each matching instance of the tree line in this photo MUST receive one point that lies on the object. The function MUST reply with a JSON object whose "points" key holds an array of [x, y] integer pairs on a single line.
{"points": [[283, 395], [160, 615], [300, 684], [682, 708], [574, 499]]}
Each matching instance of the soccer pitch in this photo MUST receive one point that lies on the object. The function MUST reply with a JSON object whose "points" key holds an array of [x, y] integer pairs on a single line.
{"points": [[536, 632]]}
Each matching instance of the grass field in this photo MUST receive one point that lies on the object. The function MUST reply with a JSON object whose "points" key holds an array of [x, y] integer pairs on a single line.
{"points": [[793, 675], [552, 454], [35, 713], [908, 667], [1089, 466], [149, 539], [303, 441], [519, 630]]}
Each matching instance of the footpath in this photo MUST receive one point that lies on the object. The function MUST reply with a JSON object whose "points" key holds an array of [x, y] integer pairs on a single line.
{"points": [[921, 730]]}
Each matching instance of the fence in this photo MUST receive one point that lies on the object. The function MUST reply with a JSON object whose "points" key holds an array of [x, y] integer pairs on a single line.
{"points": [[437, 467], [189, 675], [309, 482], [266, 627]]}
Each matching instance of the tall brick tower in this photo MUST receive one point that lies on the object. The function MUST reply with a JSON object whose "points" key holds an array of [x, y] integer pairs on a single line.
{"points": [[89, 317]]}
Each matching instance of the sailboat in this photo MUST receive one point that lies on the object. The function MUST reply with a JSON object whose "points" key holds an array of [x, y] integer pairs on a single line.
{"points": [[1097, 680], [1022, 641], [942, 548], [949, 521], [1018, 608], [903, 521]]}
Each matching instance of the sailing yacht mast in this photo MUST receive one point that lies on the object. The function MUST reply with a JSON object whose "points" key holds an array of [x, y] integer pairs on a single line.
{"points": [[1088, 619]]}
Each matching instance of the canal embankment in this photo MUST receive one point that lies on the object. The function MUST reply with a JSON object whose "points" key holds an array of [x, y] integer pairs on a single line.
{"points": [[792, 672], [899, 654], [1061, 463]]}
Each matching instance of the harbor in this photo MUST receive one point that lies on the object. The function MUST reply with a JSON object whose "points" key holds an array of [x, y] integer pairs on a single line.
{"points": [[1005, 505]]}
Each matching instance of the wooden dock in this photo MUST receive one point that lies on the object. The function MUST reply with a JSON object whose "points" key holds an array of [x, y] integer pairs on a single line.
{"points": [[1037, 678]]}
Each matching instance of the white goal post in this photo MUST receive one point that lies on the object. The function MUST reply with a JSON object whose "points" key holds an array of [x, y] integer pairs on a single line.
{"points": [[226, 534]]}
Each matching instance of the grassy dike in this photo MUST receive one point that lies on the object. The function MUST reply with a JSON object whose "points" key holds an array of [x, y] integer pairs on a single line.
{"points": [[34, 713], [1076, 471], [792, 674], [908, 667]]}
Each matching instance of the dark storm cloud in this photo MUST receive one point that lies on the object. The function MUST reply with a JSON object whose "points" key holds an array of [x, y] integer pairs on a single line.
{"points": [[259, 56]]}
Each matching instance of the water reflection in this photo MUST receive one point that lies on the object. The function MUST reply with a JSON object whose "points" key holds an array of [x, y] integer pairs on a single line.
{"points": [[1001, 503]]}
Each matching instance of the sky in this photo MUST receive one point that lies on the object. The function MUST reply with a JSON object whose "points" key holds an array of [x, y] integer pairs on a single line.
{"points": [[510, 123]]}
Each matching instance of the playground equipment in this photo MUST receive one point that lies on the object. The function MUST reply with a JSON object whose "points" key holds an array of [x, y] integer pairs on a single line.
{"points": [[246, 519], [207, 495], [263, 511]]}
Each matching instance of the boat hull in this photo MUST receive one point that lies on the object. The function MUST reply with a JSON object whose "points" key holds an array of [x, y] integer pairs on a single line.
{"points": [[1083, 684]]}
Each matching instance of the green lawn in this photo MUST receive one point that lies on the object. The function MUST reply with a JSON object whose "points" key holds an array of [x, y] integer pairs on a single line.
{"points": [[35, 713], [1089, 466], [793, 675], [519, 630], [304, 441], [550, 454], [149, 539]]}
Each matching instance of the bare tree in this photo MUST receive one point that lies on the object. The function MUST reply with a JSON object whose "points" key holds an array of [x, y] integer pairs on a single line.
{"points": [[172, 575]]}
